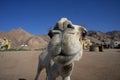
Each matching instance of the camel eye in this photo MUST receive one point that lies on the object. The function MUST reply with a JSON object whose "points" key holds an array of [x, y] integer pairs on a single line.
{"points": [[84, 33]]}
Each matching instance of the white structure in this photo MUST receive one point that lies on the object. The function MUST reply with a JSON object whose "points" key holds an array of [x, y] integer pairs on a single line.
{"points": [[116, 44]]}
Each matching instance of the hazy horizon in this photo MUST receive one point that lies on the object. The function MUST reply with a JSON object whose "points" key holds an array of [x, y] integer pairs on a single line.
{"points": [[48, 30]]}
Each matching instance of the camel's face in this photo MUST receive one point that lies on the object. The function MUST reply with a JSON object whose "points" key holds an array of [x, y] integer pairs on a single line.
{"points": [[66, 42]]}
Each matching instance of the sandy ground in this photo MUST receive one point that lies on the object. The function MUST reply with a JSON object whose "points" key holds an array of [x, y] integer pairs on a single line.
{"points": [[93, 65]]}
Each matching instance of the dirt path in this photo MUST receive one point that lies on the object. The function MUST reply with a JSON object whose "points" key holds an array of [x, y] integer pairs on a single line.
{"points": [[93, 66]]}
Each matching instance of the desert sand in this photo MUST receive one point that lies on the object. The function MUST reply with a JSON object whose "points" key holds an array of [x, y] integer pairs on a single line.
{"points": [[22, 65]]}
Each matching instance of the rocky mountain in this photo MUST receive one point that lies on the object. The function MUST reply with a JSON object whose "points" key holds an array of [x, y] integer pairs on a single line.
{"points": [[21, 39], [97, 36], [115, 35]]}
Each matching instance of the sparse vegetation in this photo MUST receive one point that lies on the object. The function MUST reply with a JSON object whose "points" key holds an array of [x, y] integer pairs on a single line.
{"points": [[15, 50]]}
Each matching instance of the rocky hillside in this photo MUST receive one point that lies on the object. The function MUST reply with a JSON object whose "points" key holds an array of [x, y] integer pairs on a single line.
{"points": [[97, 36], [115, 35], [21, 39]]}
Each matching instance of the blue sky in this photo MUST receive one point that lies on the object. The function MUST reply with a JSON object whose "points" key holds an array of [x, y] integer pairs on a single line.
{"points": [[38, 16]]}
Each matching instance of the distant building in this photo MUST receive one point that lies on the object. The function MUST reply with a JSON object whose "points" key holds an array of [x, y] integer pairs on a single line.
{"points": [[116, 44], [24, 45], [106, 44]]}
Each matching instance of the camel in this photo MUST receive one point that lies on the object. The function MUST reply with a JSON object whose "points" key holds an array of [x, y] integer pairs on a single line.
{"points": [[5, 44], [64, 48], [86, 44]]}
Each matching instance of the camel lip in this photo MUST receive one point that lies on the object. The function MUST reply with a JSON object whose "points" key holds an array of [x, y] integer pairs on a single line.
{"points": [[64, 60], [63, 54]]}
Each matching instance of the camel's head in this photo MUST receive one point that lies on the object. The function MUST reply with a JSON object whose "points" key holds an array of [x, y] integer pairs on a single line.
{"points": [[66, 43]]}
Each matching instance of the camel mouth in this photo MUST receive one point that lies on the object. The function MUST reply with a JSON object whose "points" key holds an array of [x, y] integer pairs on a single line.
{"points": [[64, 59], [63, 54]]}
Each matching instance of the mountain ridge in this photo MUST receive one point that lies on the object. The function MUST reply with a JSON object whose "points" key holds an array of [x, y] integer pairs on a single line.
{"points": [[20, 38]]}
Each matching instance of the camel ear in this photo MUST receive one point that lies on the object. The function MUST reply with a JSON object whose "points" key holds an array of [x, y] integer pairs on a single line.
{"points": [[84, 33]]}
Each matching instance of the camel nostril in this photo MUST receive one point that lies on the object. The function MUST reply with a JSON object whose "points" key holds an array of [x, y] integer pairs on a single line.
{"points": [[70, 26]]}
